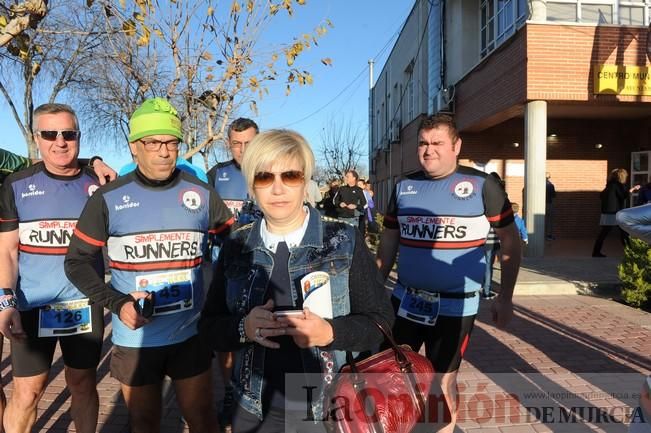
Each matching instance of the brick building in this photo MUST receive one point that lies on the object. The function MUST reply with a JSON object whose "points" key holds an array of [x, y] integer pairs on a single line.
{"points": [[555, 86]]}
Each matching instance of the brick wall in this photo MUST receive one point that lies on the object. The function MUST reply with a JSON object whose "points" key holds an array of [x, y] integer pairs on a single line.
{"points": [[578, 170], [496, 86], [560, 59]]}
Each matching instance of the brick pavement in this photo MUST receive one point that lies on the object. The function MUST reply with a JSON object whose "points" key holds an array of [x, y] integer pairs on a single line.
{"points": [[581, 351]]}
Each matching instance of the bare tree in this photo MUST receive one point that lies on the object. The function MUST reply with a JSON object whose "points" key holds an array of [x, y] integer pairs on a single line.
{"points": [[342, 147], [42, 62], [203, 59], [20, 17]]}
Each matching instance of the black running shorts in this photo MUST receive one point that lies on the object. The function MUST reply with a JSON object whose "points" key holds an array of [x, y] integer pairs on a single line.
{"points": [[138, 366], [34, 355], [445, 342]]}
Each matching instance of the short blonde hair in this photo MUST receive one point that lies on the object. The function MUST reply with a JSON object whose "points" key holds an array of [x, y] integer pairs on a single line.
{"points": [[619, 174], [276, 145]]}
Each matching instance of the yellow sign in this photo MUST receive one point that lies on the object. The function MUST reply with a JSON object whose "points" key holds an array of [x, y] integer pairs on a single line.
{"points": [[622, 80]]}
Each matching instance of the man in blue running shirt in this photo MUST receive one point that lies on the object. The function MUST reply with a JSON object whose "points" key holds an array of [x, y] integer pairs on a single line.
{"points": [[39, 306], [155, 223], [228, 181], [438, 219]]}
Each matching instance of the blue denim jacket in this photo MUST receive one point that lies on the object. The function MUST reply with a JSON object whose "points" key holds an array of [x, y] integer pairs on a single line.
{"points": [[328, 246]]}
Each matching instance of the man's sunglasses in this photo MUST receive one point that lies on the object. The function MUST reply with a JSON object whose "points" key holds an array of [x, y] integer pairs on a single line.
{"points": [[290, 178], [53, 135]]}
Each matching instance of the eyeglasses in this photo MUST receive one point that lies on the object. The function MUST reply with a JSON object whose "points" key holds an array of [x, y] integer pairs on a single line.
{"points": [[265, 179], [238, 144], [68, 135], [155, 145]]}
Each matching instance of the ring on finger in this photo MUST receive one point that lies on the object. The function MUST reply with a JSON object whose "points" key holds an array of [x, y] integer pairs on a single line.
{"points": [[258, 334]]}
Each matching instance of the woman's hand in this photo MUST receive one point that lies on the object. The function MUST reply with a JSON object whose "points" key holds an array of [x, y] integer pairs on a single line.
{"points": [[309, 330], [260, 324]]}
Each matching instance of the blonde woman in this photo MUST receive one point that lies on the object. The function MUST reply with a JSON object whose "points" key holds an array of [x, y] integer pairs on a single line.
{"points": [[261, 270], [613, 199]]}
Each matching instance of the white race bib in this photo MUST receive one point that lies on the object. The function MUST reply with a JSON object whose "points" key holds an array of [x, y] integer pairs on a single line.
{"points": [[65, 318], [172, 290]]}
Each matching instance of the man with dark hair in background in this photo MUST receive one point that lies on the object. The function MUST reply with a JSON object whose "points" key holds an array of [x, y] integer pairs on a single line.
{"points": [[227, 176], [228, 180], [350, 201]]}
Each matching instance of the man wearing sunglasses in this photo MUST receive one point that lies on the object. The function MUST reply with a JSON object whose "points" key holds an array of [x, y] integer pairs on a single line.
{"points": [[39, 306], [155, 222], [10, 162], [228, 180]]}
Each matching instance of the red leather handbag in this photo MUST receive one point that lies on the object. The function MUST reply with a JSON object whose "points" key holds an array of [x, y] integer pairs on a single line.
{"points": [[385, 393]]}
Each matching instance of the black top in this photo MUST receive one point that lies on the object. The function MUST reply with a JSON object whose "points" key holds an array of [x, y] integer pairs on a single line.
{"points": [[328, 203], [613, 197], [286, 359], [550, 191], [350, 195]]}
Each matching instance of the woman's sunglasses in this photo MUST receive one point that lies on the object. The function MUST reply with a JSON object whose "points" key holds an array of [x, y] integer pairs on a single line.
{"points": [[264, 179]]}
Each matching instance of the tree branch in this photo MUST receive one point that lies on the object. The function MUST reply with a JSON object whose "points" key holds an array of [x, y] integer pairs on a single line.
{"points": [[26, 14]]}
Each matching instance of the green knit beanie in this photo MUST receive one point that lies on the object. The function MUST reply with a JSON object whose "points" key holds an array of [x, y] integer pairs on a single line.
{"points": [[156, 116]]}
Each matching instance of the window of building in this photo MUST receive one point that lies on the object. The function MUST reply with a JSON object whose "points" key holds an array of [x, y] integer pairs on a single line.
{"points": [[596, 13], [522, 12], [498, 21], [403, 100], [411, 100], [629, 12], [378, 133], [561, 12], [632, 13], [505, 23]]}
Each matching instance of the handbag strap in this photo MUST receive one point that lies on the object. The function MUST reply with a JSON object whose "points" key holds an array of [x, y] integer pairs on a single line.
{"points": [[374, 425], [406, 368]]}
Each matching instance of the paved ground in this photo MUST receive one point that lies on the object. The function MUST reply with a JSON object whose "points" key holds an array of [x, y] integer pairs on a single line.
{"points": [[567, 363]]}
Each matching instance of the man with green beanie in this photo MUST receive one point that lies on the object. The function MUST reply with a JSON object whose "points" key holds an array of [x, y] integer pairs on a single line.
{"points": [[138, 125], [155, 222]]}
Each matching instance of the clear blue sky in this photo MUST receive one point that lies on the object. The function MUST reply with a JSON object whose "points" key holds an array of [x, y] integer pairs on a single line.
{"points": [[362, 29]]}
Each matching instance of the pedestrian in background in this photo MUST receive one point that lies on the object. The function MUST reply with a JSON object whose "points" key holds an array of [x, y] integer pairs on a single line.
{"points": [[327, 203], [644, 195], [613, 199], [492, 249], [350, 201], [363, 218], [519, 223]]}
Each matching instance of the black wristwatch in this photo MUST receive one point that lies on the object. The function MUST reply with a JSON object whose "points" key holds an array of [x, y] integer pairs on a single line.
{"points": [[10, 292], [92, 160]]}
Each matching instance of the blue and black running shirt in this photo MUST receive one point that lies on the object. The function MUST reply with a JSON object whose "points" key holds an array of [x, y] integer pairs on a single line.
{"points": [[443, 225], [156, 235], [44, 208]]}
